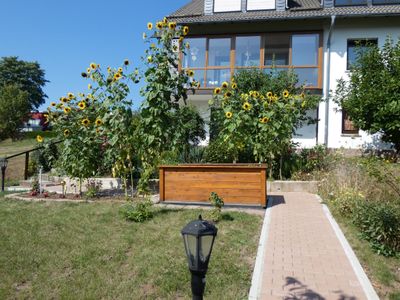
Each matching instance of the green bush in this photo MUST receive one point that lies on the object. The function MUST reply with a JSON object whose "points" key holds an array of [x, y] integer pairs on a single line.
{"points": [[379, 223], [217, 152], [346, 200], [139, 211]]}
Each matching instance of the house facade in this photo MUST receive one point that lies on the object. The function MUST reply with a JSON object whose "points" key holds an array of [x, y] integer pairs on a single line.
{"points": [[318, 40]]}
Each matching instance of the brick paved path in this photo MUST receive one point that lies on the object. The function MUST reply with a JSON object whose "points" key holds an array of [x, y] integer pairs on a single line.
{"points": [[303, 257]]}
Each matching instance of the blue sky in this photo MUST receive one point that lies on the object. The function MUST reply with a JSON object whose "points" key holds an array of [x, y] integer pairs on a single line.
{"points": [[65, 36]]}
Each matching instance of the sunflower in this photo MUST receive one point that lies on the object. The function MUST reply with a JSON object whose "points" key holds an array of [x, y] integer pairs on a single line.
{"points": [[159, 25], [67, 110], [126, 62], [98, 130], [264, 120], [88, 70], [64, 99], [71, 96], [85, 122], [149, 59], [84, 74], [93, 66], [185, 30], [120, 70], [228, 94], [82, 105], [217, 90], [246, 106], [117, 76], [46, 118], [89, 86], [149, 26], [98, 122], [53, 104], [67, 132], [228, 115], [39, 139], [187, 46], [144, 35], [225, 85], [172, 25], [234, 85], [285, 93], [269, 94], [190, 73]]}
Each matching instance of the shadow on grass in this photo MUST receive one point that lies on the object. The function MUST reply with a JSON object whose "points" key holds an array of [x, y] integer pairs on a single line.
{"points": [[227, 217]]}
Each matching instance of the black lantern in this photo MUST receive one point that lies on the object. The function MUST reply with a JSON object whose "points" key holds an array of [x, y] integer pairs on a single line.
{"points": [[198, 237], [3, 165]]}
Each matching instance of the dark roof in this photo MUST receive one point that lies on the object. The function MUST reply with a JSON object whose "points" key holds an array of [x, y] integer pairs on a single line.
{"points": [[193, 12]]}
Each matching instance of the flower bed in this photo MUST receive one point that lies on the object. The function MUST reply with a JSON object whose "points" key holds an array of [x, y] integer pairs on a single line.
{"points": [[236, 183]]}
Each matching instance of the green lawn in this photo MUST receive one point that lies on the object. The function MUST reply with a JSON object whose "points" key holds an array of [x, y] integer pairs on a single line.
{"points": [[384, 272], [75, 251]]}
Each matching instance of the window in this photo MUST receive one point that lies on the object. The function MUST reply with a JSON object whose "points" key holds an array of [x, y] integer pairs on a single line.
{"points": [[247, 52], [350, 2], [215, 59], [227, 5], [260, 4], [385, 1], [347, 125], [355, 48]]}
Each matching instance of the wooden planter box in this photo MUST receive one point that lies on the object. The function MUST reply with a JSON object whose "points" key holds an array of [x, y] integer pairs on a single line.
{"points": [[236, 183]]}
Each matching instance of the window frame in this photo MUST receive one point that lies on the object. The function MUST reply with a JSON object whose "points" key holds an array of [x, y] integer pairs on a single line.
{"points": [[262, 36], [227, 11], [355, 40], [345, 117]]}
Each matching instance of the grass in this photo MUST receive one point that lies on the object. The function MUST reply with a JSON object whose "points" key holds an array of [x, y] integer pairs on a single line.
{"points": [[68, 250], [384, 272]]}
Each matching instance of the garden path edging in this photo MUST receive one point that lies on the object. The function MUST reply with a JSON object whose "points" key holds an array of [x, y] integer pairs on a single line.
{"points": [[256, 280]]}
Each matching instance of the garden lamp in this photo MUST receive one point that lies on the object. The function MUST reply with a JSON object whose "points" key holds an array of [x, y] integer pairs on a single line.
{"points": [[3, 165], [198, 237]]}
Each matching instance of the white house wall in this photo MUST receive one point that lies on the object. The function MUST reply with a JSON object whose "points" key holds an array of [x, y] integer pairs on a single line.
{"points": [[350, 29]]}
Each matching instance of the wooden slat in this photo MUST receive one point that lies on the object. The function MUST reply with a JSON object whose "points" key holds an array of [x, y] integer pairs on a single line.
{"points": [[216, 184]]}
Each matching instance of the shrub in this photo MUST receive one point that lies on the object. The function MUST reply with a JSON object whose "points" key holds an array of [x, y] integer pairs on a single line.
{"points": [[93, 188], [139, 211], [217, 202], [346, 201], [379, 223]]}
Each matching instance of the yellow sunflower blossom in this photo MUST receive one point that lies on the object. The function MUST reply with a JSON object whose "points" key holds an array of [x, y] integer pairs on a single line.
{"points": [[117, 76], [39, 139], [234, 85], [172, 25], [85, 122], [149, 59], [190, 73], [46, 118], [264, 120], [285, 93], [67, 132], [228, 114], [67, 110], [64, 99], [82, 105], [71, 96], [159, 25], [98, 122], [88, 70], [269, 95], [89, 86], [228, 94], [93, 66], [120, 70], [224, 85], [185, 30], [149, 26], [144, 35], [217, 91], [246, 106], [53, 104]]}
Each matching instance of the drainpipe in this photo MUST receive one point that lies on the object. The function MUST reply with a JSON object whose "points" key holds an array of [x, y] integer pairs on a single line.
{"points": [[327, 81]]}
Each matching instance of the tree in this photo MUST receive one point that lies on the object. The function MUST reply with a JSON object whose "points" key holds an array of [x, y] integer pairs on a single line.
{"points": [[371, 96], [14, 108], [27, 75]]}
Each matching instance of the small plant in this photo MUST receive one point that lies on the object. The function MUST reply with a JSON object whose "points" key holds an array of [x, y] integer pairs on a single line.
{"points": [[139, 211], [217, 202], [346, 201], [93, 188], [35, 187]]}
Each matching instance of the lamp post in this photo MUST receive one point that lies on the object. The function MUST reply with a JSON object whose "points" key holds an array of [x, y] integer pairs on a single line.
{"points": [[198, 237], [3, 165]]}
